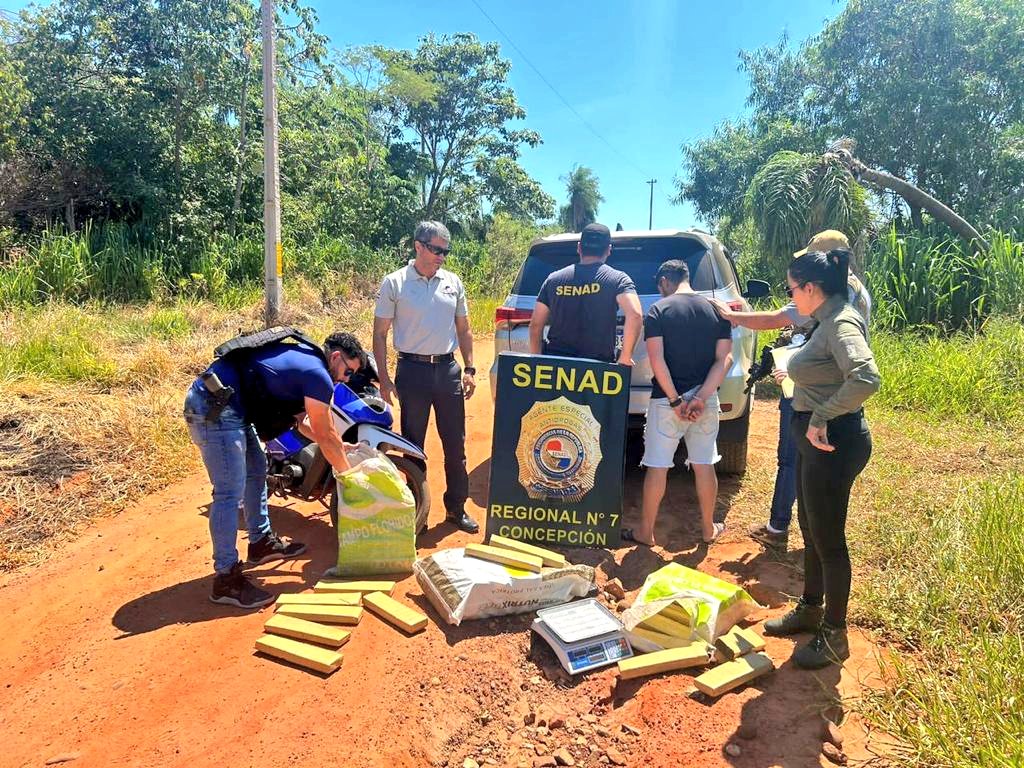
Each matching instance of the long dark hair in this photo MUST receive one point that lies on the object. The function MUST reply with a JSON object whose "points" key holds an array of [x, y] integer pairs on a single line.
{"points": [[829, 270]]}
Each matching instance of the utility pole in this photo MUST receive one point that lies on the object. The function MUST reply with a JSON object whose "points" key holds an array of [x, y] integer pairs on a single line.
{"points": [[271, 176], [650, 217]]}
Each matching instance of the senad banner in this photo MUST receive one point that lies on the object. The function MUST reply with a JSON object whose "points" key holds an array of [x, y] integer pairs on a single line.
{"points": [[557, 455]]}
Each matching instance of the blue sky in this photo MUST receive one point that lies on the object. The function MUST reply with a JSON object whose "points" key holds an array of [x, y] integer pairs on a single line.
{"points": [[647, 75]]}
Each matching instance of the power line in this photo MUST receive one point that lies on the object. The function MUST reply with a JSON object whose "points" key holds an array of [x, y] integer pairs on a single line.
{"points": [[555, 91]]}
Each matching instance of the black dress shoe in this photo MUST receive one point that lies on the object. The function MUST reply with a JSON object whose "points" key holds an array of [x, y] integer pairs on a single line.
{"points": [[463, 522]]}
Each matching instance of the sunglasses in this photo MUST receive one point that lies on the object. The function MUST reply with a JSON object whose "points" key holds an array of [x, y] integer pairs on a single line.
{"points": [[349, 371], [789, 291], [436, 249]]}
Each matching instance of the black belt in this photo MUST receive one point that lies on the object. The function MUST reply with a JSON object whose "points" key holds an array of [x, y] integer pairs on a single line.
{"points": [[445, 358]]}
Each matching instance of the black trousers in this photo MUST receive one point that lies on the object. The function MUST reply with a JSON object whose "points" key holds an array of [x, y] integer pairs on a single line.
{"points": [[422, 386], [824, 480]]}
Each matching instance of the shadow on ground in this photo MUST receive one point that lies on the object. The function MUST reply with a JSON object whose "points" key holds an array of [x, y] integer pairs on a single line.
{"points": [[188, 602]]}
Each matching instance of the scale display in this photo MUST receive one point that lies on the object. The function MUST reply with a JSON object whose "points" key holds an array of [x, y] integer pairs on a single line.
{"points": [[598, 655]]}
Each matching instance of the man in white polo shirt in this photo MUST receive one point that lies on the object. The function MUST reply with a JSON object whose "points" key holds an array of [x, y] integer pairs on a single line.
{"points": [[427, 308]]}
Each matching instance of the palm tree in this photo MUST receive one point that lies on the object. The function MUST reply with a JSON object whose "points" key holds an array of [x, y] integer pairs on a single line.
{"points": [[584, 197], [794, 195]]}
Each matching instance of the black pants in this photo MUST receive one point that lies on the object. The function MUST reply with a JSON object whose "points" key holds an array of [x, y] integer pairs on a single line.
{"points": [[824, 480], [439, 385]]}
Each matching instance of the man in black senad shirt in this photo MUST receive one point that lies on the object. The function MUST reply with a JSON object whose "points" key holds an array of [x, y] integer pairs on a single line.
{"points": [[581, 300], [690, 349]]}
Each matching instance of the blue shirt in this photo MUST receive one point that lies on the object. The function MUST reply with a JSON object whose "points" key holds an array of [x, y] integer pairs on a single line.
{"points": [[288, 371]]}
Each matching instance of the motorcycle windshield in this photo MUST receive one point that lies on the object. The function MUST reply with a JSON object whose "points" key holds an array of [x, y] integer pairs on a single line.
{"points": [[358, 410]]}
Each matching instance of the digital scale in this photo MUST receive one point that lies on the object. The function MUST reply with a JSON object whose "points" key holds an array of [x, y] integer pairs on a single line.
{"points": [[584, 635]]}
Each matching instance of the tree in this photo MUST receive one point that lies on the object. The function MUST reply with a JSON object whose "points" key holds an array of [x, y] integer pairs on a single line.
{"points": [[796, 195], [719, 168], [13, 95], [512, 191], [581, 186], [463, 124], [916, 198], [928, 89], [135, 108]]}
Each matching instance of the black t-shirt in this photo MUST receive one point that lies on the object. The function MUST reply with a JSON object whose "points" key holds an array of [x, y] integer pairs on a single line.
{"points": [[690, 329], [583, 300]]}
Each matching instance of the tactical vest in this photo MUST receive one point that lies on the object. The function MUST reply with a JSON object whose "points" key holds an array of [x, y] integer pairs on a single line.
{"points": [[269, 415]]}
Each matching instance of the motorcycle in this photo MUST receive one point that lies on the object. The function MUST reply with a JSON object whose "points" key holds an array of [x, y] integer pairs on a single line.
{"points": [[296, 468]]}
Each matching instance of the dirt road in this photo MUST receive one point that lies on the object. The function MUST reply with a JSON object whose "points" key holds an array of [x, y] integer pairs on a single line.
{"points": [[111, 654]]}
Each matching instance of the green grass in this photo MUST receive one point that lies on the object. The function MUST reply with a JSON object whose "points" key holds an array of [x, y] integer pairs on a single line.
{"points": [[945, 581], [166, 323], [64, 345], [481, 313], [969, 374]]}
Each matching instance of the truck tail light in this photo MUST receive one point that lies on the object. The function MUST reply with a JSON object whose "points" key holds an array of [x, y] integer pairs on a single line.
{"points": [[512, 316]]}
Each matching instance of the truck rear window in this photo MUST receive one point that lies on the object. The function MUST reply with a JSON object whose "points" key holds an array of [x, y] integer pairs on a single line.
{"points": [[637, 257]]}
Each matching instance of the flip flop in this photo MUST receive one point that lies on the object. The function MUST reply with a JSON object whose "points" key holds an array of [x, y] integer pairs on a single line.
{"points": [[627, 535], [719, 530]]}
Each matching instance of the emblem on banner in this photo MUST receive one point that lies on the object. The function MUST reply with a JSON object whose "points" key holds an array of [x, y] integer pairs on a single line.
{"points": [[559, 450]]}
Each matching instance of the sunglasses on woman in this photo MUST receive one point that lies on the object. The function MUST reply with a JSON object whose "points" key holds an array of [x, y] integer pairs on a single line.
{"points": [[436, 249], [789, 291]]}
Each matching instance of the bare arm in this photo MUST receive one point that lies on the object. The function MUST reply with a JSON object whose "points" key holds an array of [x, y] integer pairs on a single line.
{"points": [[656, 357], [302, 424], [465, 336], [326, 435], [540, 317], [629, 303], [716, 375], [757, 321], [381, 326]]}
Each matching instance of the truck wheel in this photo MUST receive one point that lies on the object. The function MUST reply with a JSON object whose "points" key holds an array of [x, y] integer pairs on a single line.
{"points": [[415, 479], [734, 458]]}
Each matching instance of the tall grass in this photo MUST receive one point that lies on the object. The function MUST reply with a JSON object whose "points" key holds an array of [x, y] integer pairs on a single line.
{"points": [[117, 263], [918, 279]]}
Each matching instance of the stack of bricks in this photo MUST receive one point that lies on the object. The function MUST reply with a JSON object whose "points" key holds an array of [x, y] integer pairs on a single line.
{"points": [[739, 650], [307, 628]]}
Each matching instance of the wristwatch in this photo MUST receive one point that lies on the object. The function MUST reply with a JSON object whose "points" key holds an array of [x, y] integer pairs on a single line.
{"points": [[470, 370], [676, 403]]}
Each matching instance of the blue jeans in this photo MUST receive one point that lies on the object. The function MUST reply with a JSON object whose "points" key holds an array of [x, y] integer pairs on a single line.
{"points": [[785, 477], [237, 467]]}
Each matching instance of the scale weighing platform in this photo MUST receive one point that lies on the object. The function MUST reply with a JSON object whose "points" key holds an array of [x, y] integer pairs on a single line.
{"points": [[584, 635]]}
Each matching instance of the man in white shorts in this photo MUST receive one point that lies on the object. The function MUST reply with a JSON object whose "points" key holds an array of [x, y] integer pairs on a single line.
{"points": [[690, 349]]}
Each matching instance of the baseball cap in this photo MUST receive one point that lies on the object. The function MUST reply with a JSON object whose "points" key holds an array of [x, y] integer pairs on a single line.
{"points": [[595, 238], [829, 240]]}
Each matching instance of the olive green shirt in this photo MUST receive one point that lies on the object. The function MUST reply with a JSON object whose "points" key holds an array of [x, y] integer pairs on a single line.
{"points": [[834, 371]]}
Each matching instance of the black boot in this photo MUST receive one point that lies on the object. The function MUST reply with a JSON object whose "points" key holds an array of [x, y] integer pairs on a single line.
{"points": [[803, 618], [232, 588], [828, 646], [461, 520]]}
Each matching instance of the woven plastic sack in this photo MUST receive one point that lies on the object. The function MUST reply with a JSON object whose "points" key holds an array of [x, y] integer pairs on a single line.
{"points": [[714, 605], [461, 587], [376, 517]]}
